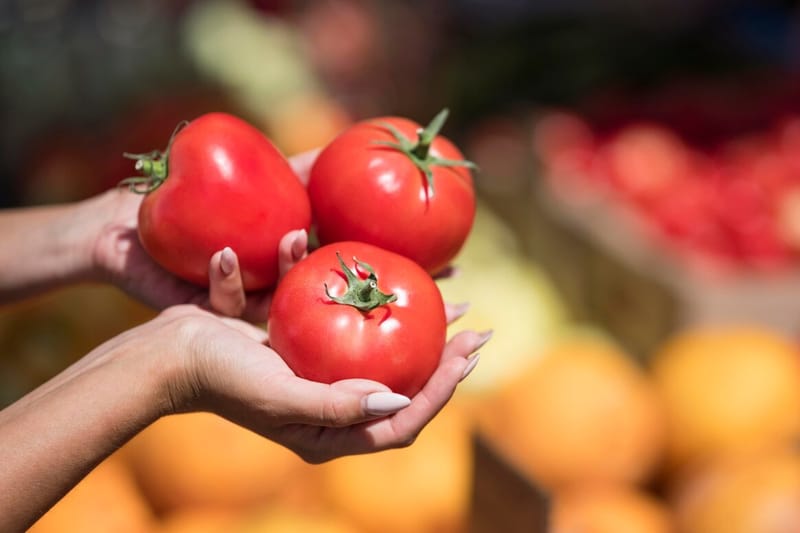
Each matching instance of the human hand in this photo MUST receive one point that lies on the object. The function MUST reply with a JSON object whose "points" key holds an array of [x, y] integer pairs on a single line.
{"points": [[230, 371], [118, 257]]}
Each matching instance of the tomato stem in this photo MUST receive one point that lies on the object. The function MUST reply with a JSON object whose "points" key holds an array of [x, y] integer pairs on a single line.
{"points": [[419, 152], [363, 294], [153, 166]]}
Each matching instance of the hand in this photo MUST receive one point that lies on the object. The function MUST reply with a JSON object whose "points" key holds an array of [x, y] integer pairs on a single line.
{"points": [[231, 372], [119, 258]]}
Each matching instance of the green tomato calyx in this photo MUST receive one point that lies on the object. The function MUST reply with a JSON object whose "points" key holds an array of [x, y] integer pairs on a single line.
{"points": [[363, 294], [153, 166], [419, 152]]}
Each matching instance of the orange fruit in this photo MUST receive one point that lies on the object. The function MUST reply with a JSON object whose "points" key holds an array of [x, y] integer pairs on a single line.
{"points": [[727, 389], [584, 412], [609, 509], [200, 520], [755, 492], [283, 520], [107, 499], [422, 488], [200, 459], [305, 122]]}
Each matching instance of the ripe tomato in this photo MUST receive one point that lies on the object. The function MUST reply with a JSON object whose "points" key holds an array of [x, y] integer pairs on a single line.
{"points": [[390, 183], [392, 330], [220, 183]]}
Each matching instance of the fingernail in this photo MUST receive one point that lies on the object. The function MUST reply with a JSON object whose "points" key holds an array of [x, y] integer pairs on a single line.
{"points": [[483, 337], [458, 310], [299, 244], [384, 403], [473, 362], [227, 261]]}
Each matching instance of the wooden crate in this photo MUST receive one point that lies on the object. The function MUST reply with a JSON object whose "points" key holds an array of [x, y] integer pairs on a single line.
{"points": [[613, 274]]}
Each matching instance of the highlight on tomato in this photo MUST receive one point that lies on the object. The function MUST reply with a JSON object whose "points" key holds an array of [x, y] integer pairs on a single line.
{"points": [[353, 310], [220, 182], [390, 182]]}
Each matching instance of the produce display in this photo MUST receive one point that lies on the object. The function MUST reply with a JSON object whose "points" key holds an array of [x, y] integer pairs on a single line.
{"points": [[727, 203], [608, 409]]}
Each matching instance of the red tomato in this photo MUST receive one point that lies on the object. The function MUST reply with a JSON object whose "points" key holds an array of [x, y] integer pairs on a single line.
{"points": [[387, 182], [398, 342], [220, 183]]}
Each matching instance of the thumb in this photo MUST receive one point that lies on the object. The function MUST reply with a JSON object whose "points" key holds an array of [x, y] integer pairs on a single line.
{"points": [[340, 404]]}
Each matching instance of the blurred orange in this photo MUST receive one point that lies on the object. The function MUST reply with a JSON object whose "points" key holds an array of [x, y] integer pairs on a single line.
{"points": [[284, 520], [199, 459], [749, 493], [609, 509], [306, 122], [424, 488], [728, 389], [107, 499], [582, 413], [200, 520]]}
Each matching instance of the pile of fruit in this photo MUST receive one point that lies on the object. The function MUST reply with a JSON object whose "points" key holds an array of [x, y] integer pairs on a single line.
{"points": [[731, 202], [701, 440]]}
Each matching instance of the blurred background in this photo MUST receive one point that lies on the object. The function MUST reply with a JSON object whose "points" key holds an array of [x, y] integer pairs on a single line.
{"points": [[635, 251]]}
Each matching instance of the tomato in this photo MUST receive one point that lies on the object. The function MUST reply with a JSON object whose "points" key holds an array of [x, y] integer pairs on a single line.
{"points": [[353, 310], [388, 182], [220, 183]]}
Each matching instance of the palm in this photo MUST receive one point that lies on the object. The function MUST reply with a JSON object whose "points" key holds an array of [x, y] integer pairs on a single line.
{"points": [[328, 437], [120, 254]]}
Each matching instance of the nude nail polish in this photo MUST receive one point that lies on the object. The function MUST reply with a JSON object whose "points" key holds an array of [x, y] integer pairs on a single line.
{"points": [[384, 403], [483, 337], [473, 362], [227, 261]]}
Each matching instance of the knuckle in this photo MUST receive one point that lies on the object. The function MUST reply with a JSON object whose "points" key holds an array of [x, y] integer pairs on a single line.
{"points": [[405, 441], [335, 413]]}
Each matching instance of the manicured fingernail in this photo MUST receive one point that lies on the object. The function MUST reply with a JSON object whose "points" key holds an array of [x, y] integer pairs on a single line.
{"points": [[227, 261], [385, 403], [473, 361], [457, 311], [483, 337], [299, 244]]}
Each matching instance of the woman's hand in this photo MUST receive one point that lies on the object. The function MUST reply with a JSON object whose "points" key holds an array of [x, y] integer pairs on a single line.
{"points": [[188, 359], [233, 373], [118, 257]]}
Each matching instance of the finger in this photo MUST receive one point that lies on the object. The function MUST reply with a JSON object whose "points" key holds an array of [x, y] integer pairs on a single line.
{"points": [[463, 343], [226, 291], [291, 249], [344, 403], [450, 271], [302, 163], [455, 311], [400, 429]]}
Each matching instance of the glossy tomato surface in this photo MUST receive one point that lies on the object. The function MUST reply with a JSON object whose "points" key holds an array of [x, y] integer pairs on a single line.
{"points": [[398, 344], [226, 185], [365, 191]]}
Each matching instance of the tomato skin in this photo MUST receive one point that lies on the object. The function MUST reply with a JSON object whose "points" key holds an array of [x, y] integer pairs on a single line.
{"points": [[398, 344], [364, 191], [227, 185]]}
